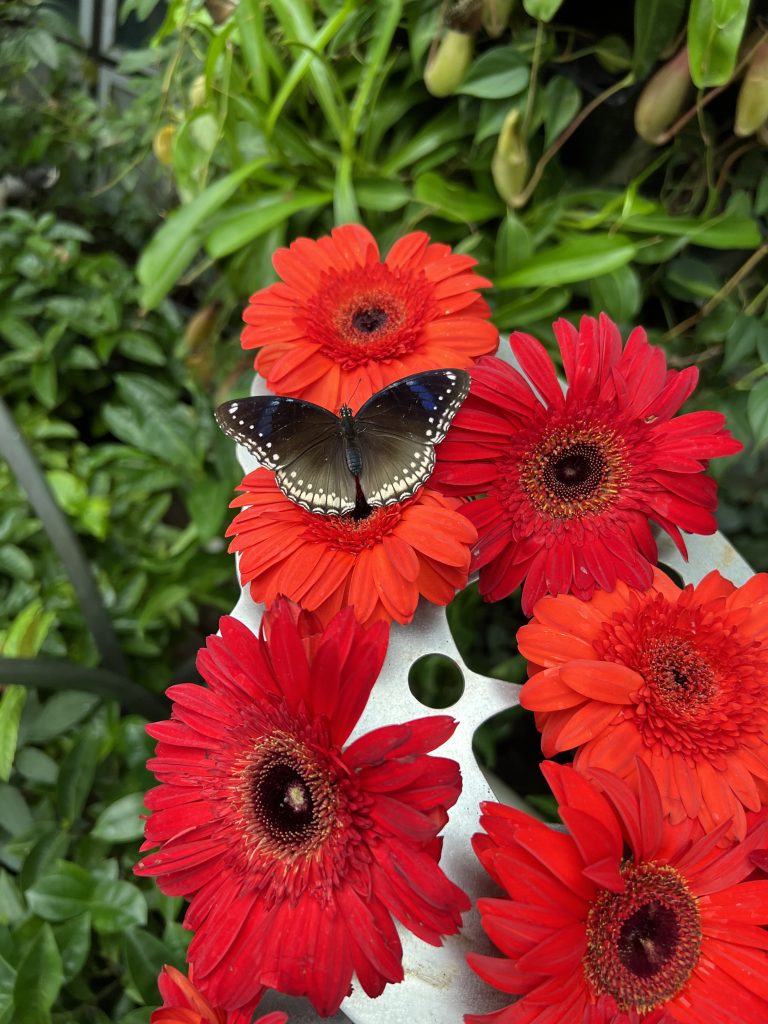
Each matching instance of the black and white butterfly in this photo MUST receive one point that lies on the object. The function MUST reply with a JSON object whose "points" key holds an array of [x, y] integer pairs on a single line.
{"points": [[351, 462]]}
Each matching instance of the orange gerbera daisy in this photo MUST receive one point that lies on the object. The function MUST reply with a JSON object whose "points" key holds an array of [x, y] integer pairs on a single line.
{"points": [[341, 324], [379, 564], [676, 678], [183, 1003]]}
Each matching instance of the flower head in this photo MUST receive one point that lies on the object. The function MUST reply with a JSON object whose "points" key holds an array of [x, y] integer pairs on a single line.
{"points": [[625, 919], [294, 852], [379, 564], [571, 480], [184, 1004], [676, 678], [341, 325]]}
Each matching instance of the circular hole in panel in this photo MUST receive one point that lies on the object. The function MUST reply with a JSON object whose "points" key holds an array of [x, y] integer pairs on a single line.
{"points": [[436, 681], [484, 633], [673, 574]]}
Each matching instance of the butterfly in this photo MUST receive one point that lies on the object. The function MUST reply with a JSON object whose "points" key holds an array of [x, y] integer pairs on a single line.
{"points": [[352, 462]]}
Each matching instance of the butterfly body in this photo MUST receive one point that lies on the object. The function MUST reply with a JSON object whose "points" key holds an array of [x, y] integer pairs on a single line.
{"points": [[354, 461]]}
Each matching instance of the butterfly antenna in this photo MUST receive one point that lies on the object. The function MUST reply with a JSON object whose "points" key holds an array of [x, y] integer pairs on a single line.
{"points": [[354, 390]]}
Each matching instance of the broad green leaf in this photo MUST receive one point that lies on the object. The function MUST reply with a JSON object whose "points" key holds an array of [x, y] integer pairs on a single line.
{"points": [[757, 412], [744, 337], [58, 715], [11, 706], [28, 631], [577, 258], [38, 979], [74, 941], [543, 9], [15, 815], [715, 29], [726, 231], [656, 22], [174, 245], [619, 294], [12, 908], [78, 770], [47, 849], [562, 102], [70, 890], [44, 380], [531, 308], [498, 74], [443, 129], [513, 244], [240, 225], [7, 983], [689, 278], [120, 822], [456, 202], [382, 194], [145, 955], [116, 906]]}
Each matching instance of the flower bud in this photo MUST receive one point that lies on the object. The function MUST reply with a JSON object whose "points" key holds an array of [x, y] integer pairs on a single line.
{"points": [[496, 16], [752, 104], [613, 54], [446, 68], [198, 92], [162, 144], [511, 163], [662, 100]]}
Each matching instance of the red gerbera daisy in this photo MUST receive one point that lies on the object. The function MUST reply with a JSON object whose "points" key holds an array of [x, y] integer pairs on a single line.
{"points": [[380, 564], [572, 480], [626, 919], [294, 853], [678, 678], [341, 325], [183, 1004]]}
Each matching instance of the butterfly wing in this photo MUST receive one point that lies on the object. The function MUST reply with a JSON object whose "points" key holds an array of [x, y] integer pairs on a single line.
{"points": [[397, 430], [301, 442]]}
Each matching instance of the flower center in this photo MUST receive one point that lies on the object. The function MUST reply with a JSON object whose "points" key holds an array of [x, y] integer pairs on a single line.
{"points": [[369, 314], [293, 796], [643, 943], [705, 685], [575, 470], [354, 532]]}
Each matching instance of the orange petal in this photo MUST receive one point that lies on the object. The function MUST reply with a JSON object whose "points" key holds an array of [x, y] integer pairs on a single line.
{"points": [[602, 680]]}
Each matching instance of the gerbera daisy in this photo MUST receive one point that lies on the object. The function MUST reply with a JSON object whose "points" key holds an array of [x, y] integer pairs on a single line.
{"points": [[677, 678], [341, 324], [626, 919], [379, 564], [184, 1004], [571, 480], [296, 853]]}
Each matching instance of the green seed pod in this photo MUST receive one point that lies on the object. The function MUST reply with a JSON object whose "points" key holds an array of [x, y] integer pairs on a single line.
{"points": [[446, 69], [496, 16], [511, 163], [662, 100], [752, 104]]}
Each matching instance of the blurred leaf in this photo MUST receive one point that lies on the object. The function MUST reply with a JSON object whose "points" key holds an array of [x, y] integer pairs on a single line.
{"points": [[656, 22], [12, 908], [38, 979], [71, 891], [15, 816], [383, 194], [77, 773], [36, 766], [121, 821], [757, 412], [11, 706], [57, 716], [619, 294], [542, 9], [726, 231], [513, 244], [74, 941], [172, 247], [455, 202], [715, 29], [576, 259], [497, 74], [44, 380], [562, 102], [240, 225], [532, 307], [145, 955]]}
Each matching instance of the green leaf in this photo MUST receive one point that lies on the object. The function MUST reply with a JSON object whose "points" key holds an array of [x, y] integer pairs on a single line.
{"points": [[757, 412], [619, 294], [15, 815], [44, 381], [656, 22], [74, 941], [715, 29], [71, 890], [11, 706], [172, 248], [142, 349], [46, 850], [38, 979], [381, 194], [533, 307], [120, 822], [240, 225], [577, 258], [145, 955], [28, 631], [455, 202], [116, 906], [36, 766], [513, 244], [562, 102], [12, 908], [746, 335], [78, 770], [726, 231], [498, 74], [58, 715], [544, 9]]}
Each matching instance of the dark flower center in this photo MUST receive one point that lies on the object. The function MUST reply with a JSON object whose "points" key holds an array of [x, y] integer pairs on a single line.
{"points": [[575, 470], [679, 672], [284, 799], [643, 943], [368, 321]]}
